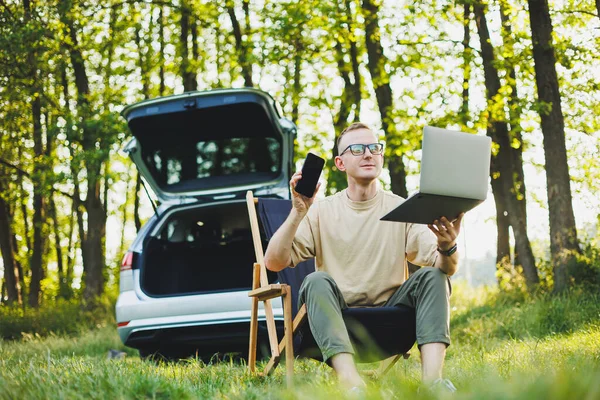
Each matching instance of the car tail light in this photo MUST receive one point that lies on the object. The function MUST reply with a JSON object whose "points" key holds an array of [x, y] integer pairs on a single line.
{"points": [[127, 261], [121, 324]]}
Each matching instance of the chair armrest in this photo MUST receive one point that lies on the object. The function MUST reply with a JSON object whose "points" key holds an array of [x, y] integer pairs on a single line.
{"points": [[268, 292]]}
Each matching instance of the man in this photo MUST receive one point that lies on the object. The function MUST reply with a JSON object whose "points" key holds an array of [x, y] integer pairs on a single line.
{"points": [[361, 261]]}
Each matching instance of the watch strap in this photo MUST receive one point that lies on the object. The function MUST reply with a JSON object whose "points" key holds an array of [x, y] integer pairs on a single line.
{"points": [[450, 251]]}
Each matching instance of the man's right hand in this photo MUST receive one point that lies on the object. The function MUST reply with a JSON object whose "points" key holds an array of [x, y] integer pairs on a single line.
{"points": [[279, 251], [300, 202]]}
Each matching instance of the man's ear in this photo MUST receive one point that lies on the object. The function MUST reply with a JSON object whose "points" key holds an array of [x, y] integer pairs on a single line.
{"points": [[339, 163]]}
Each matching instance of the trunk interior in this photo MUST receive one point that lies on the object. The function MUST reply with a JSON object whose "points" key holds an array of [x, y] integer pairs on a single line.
{"points": [[201, 250]]}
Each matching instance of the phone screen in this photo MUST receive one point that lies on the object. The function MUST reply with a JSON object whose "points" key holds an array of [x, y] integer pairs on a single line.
{"points": [[311, 171]]}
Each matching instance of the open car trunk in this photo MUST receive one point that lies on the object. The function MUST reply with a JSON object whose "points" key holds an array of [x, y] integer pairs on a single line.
{"points": [[202, 144], [200, 250]]}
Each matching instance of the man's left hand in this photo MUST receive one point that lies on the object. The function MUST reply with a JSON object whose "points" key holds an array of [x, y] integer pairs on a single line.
{"points": [[446, 231]]}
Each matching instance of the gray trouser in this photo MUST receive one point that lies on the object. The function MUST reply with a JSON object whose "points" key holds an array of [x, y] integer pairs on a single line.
{"points": [[427, 291]]}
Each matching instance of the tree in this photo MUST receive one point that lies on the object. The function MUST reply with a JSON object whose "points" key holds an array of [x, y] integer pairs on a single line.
{"points": [[467, 56], [187, 73], [503, 166], [95, 135], [53, 216], [518, 189], [38, 192], [564, 244], [383, 90], [242, 47], [346, 48], [11, 277]]}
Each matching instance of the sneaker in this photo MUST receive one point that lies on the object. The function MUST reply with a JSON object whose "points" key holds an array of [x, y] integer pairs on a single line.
{"points": [[442, 386], [357, 392]]}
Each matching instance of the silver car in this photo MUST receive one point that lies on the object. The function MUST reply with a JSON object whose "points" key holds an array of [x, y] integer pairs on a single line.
{"points": [[185, 279]]}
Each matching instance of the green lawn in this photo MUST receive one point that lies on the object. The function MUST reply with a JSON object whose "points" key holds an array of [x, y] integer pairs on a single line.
{"points": [[504, 346]]}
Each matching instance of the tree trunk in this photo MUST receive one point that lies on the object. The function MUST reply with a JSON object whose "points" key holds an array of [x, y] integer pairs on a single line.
{"points": [[341, 120], [337, 180], [68, 292], [356, 87], [124, 208], [246, 8], [142, 54], [383, 91], [83, 244], [516, 137], [351, 94], [20, 274], [187, 74], [195, 44], [76, 199], [105, 187], [11, 277], [503, 168], [94, 278], [464, 110], [66, 289], [38, 208], [53, 216], [564, 244], [240, 46], [23, 200], [161, 52], [110, 51], [296, 86], [96, 223], [36, 263], [502, 225], [59, 256], [218, 50]]}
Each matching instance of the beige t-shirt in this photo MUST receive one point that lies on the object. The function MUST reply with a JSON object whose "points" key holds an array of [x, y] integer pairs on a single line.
{"points": [[365, 256]]}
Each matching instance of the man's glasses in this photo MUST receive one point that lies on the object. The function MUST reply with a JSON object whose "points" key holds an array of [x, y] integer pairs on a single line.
{"points": [[359, 149]]}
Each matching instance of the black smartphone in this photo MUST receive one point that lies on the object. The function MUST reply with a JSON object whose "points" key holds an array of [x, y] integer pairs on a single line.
{"points": [[311, 171]]}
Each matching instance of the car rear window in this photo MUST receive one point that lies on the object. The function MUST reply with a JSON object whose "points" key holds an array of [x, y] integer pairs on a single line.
{"points": [[175, 163]]}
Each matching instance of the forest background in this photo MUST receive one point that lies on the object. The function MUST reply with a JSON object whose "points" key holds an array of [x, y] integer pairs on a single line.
{"points": [[524, 73]]}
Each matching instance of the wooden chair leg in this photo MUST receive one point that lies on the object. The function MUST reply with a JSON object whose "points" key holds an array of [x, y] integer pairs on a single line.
{"points": [[253, 336], [386, 365], [254, 322], [271, 329], [289, 336], [300, 319], [270, 367], [298, 322]]}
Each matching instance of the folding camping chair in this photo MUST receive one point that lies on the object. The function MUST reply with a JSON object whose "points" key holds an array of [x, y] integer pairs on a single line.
{"points": [[263, 291], [391, 329]]}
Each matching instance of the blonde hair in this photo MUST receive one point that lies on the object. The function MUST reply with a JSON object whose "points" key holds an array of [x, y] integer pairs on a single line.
{"points": [[352, 127]]}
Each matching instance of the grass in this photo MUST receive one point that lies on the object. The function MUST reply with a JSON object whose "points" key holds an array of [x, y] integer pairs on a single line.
{"points": [[505, 346], [56, 317]]}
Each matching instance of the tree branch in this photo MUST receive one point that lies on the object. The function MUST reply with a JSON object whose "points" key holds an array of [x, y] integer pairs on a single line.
{"points": [[3, 4], [12, 166], [575, 12], [155, 2], [26, 174], [409, 43]]}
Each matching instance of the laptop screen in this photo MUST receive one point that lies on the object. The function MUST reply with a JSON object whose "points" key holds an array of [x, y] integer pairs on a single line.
{"points": [[455, 163]]}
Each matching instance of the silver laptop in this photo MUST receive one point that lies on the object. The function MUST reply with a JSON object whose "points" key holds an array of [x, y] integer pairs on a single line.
{"points": [[455, 167]]}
